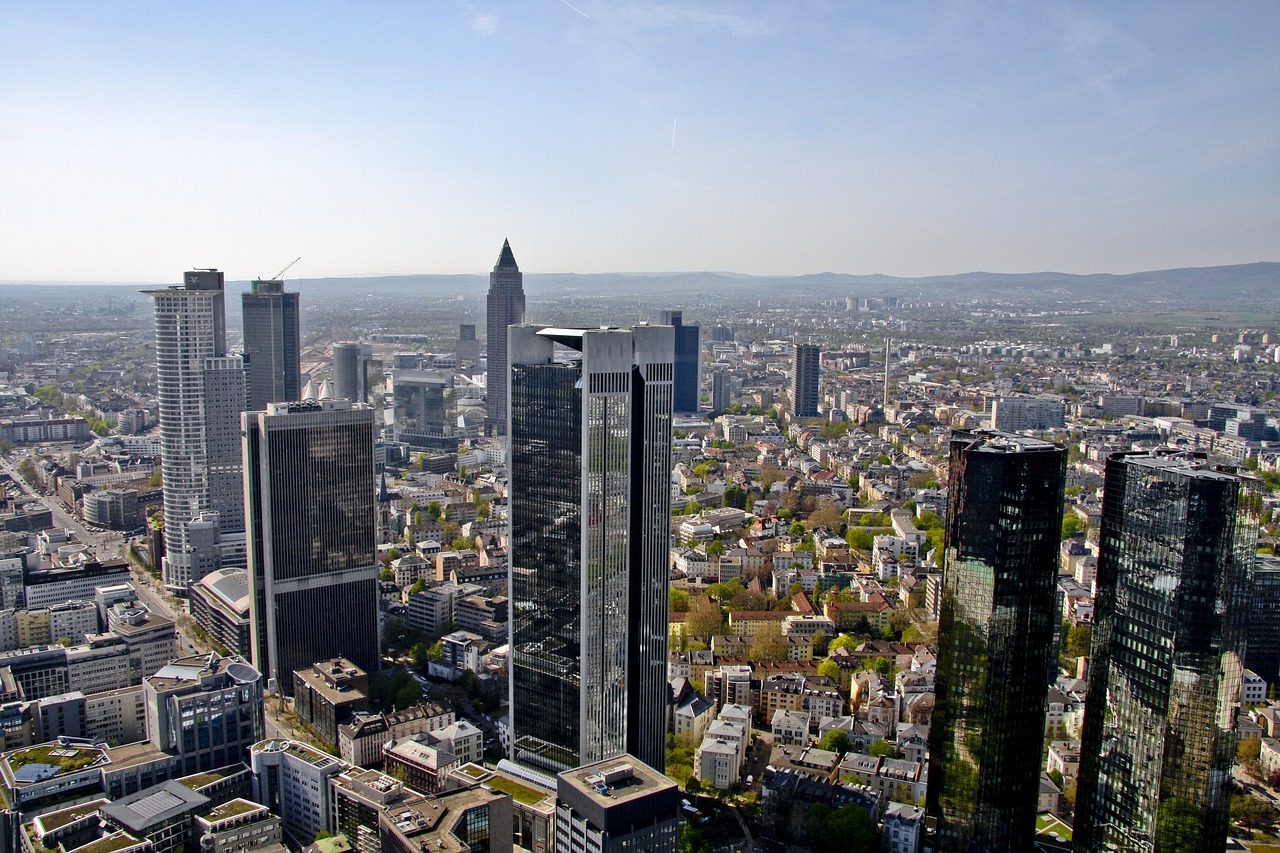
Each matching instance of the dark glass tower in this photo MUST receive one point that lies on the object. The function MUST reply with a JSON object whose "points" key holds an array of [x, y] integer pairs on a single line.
{"points": [[687, 362], [590, 535], [995, 640], [1262, 653], [271, 344], [804, 381], [1176, 548], [313, 578], [505, 308]]}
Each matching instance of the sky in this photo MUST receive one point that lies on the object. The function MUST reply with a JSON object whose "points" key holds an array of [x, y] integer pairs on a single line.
{"points": [[372, 137]]}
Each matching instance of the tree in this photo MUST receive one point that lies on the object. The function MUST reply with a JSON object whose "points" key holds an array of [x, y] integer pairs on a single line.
{"points": [[679, 601], [746, 599], [837, 741], [419, 585], [420, 655], [796, 529], [467, 681], [393, 554], [769, 645], [690, 841], [735, 496], [387, 576], [880, 665], [844, 641], [435, 651], [704, 622], [819, 643], [883, 749], [859, 538], [1071, 525], [1078, 639], [1253, 812], [408, 695], [829, 669], [715, 548], [1249, 749]]}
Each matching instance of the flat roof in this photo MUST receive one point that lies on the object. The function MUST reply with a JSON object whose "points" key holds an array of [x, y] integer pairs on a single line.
{"points": [[616, 780]]}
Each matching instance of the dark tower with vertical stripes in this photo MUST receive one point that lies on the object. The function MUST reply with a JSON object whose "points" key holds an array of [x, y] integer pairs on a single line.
{"points": [[505, 308]]}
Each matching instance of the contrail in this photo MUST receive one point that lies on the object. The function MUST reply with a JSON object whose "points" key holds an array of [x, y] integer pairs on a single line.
{"points": [[576, 9], [673, 134]]}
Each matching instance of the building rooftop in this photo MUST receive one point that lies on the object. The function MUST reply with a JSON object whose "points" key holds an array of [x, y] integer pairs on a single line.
{"points": [[615, 780], [153, 806]]}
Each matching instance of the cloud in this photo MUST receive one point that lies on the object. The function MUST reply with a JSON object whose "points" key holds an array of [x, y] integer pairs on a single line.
{"points": [[484, 23], [662, 15]]}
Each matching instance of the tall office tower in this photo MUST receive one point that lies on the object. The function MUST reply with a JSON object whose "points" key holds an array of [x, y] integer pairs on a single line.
{"points": [[418, 396], [349, 381], [804, 382], [467, 349], [201, 393], [1262, 652], [271, 344], [506, 308], [721, 391], [687, 362], [589, 541], [1170, 620], [616, 806], [313, 576], [995, 640]]}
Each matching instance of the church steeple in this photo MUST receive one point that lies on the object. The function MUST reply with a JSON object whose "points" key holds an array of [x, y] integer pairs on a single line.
{"points": [[506, 260]]}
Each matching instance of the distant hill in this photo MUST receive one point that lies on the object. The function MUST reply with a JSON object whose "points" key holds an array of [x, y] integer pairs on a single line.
{"points": [[1239, 285]]}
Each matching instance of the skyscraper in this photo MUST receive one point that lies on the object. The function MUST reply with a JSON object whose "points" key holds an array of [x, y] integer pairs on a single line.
{"points": [[201, 394], [350, 372], [1170, 619], [804, 381], [1262, 653], [505, 308], [995, 639], [687, 362], [271, 344], [313, 577], [590, 436], [721, 391]]}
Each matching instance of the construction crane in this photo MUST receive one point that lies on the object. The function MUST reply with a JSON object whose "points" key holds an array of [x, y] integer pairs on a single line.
{"points": [[276, 277]]}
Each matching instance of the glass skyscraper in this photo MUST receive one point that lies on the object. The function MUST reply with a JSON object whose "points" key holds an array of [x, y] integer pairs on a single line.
{"points": [[505, 307], [804, 381], [590, 435], [688, 361], [1177, 545], [995, 640], [313, 576], [271, 344]]}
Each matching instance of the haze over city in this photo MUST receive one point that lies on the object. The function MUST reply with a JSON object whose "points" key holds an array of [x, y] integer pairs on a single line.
{"points": [[146, 138]]}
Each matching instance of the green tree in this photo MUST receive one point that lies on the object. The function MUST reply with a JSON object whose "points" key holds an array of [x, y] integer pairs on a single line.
{"points": [[679, 601], [769, 645], [715, 548], [820, 642], [829, 669], [386, 576], [880, 665], [1079, 638], [859, 538], [844, 641], [408, 695], [796, 529], [883, 749], [690, 841], [735, 496], [1071, 525], [1179, 827], [419, 585], [704, 622], [836, 740], [394, 554]]}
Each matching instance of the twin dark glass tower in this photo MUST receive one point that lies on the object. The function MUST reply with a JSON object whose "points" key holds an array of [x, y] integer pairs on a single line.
{"points": [[1176, 549]]}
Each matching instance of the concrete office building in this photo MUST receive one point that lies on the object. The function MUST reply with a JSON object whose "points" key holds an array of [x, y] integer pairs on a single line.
{"points": [[220, 605], [995, 640], [804, 381], [201, 393], [205, 709], [616, 806], [505, 307], [1175, 555], [590, 538], [1016, 414], [313, 573], [271, 344]]}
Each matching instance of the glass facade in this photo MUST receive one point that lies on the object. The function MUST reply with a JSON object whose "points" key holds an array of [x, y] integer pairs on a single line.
{"points": [[590, 516], [1262, 654], [996, 638], [271, 344], [504, 307], [804, 381], [312, 569], [1176, 550]]}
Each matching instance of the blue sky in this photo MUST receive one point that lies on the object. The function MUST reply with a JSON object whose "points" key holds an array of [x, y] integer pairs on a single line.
{"points": [[910, 138]]}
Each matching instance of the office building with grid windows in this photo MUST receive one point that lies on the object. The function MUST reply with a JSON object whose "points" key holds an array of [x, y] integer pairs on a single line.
{"points": [[1175, 556], [995, 640], [313, 576], [590, 437]]}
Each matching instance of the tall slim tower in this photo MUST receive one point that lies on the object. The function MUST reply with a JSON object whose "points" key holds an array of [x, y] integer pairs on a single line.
{"points": [[688, 362], [995, 640], [271, 344], [590, 437], [506, 308], [804, 381], [201, 394], [313, 578], [1176, 549]]}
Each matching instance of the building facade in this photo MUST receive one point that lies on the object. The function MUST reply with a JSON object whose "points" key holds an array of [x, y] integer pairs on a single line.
{"points": [[804, 381], [505, 306], [271, 344], [313, 575], [615, 806], [1176, 550], [205, 710], [201, 394], [687, 364], [995, 639], [1262, 653], [589, 543]]}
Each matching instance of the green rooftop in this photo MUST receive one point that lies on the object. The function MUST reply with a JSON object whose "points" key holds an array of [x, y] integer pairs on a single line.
{"points": [[68, 759], [520, 793], [232, 809], [198, 780], [110, 843], [474, 771]]}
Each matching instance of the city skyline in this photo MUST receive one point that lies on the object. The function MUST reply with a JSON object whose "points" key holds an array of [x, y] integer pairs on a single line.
{"points": [[744, 137]]}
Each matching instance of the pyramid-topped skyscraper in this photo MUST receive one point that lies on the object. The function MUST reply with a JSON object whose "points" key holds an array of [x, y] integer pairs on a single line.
{"points": [[506, 308]]}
